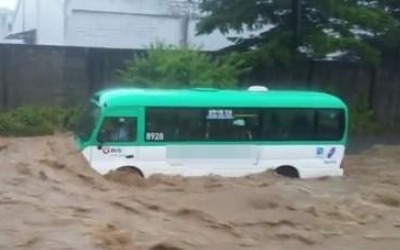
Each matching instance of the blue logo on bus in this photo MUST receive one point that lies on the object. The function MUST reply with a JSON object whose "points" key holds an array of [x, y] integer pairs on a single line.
{"points": [[331, 152]]}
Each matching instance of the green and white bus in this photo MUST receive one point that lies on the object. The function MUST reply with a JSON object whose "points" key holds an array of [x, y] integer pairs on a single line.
{"points": [[198, 132]]}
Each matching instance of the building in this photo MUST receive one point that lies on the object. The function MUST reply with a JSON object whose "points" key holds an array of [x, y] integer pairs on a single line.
{"points": [[131, 24], [6, 16]]}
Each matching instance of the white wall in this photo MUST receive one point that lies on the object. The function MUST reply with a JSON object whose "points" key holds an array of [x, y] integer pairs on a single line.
{"points": [[26, 17], [133, 24], [113, 30], [50, 26], [123, 23], [155, 7], [112, 23]]}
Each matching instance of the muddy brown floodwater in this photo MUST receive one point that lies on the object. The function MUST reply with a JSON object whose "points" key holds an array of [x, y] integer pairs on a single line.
{"points": [[50, 199]]}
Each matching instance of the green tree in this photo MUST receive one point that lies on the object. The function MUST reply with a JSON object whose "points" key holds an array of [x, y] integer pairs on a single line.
{"points": [[168, 66], [300, 28], [390, 40]]}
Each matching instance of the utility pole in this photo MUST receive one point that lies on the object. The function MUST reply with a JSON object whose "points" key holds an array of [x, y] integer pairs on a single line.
{"points": [[185, 30]]}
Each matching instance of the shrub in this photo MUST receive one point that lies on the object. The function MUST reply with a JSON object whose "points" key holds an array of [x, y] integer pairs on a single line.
{"points": [[166, 66], [33, 121], [362, 120]]}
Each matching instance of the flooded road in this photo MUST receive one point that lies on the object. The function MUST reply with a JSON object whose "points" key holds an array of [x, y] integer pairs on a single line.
{"points": [[50, 199]]}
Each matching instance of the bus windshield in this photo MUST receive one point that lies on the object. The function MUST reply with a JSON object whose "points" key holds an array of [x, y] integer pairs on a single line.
{"points": [[87, 121]]}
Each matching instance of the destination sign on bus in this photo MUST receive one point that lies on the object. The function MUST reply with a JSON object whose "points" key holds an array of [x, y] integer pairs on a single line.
{"points": [[220, 114]]}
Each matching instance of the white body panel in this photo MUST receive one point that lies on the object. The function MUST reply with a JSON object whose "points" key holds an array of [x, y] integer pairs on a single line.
{"points": [[311, 161]]}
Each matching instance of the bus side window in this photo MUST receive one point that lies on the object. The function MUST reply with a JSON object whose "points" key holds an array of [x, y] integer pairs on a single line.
{"points": [[330, 125], [273, 127], [118, 129], [301, 127]]}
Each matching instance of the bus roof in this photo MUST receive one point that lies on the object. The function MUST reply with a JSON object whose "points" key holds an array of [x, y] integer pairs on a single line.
{"points": [[203, 97]]}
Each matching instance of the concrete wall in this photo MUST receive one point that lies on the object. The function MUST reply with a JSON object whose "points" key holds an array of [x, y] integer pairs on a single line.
{"points": [[41, 75]]}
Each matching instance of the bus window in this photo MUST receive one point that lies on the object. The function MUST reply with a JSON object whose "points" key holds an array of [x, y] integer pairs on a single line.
{"points": [[203, 124], [330, 125], [271, 126], [175, 124], [232, 124], [288, 125], [302, 125], [87, 121], [118, 129], [243, 124]]}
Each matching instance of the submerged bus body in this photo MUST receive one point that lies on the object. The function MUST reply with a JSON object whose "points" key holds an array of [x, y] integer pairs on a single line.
{"points": [[199, 132]]}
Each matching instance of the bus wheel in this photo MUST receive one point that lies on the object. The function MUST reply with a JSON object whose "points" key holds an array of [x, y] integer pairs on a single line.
{"points": [[131, 170], [288, 171], [128, 176]]}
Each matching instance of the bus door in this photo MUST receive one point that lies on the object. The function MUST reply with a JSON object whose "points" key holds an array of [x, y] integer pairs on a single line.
{"points": [[117, 141]]}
